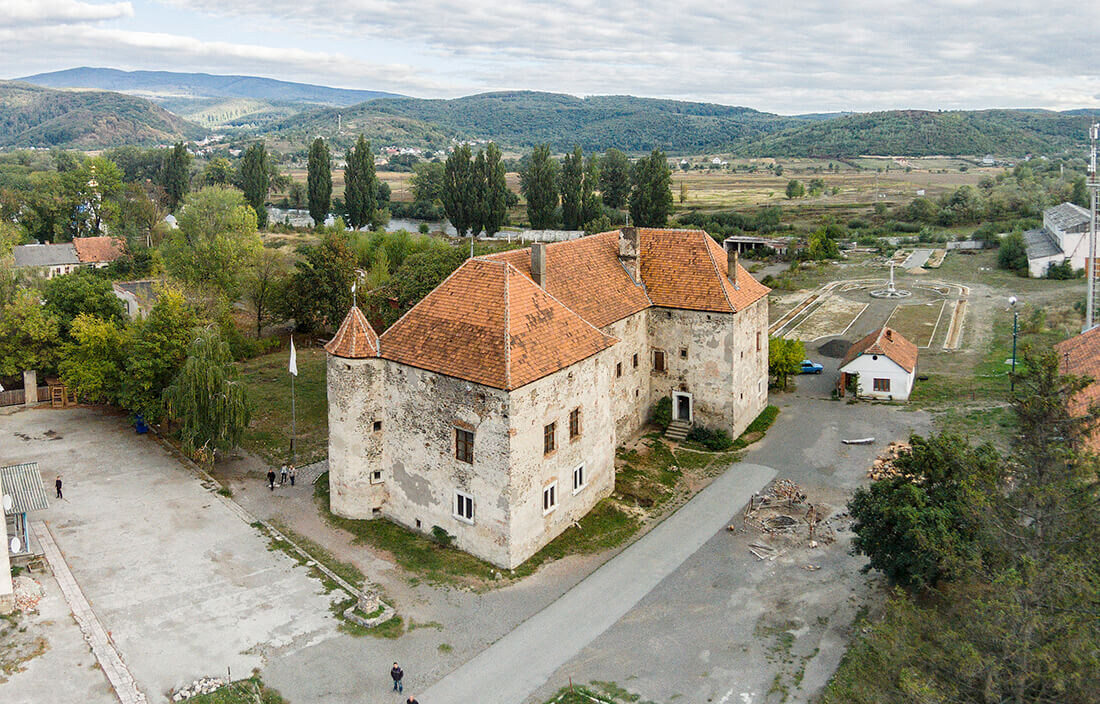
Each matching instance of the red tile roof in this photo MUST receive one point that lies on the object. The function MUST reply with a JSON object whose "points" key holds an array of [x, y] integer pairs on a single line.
{"points": [[889, 343], [94, 250], [1080, 356], [492, 325], [355, 339]]}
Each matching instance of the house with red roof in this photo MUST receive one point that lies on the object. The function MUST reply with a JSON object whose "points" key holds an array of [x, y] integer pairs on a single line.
{"points": [[884, 364], [493, 408]]}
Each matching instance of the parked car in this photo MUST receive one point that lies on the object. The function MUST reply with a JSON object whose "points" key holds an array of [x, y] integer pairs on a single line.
{"points": [[809, 367]]}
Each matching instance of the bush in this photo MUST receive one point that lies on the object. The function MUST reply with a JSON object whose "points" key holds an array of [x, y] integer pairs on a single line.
{"points": [[661, 414], [441, 536], [1063, 271], [715, 440], [1013, 253]]}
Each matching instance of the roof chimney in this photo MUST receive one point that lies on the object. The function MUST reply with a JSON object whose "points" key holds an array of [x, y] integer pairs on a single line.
{"points": [[889, 334], [628, 252], [731, 263], [538, 263]]}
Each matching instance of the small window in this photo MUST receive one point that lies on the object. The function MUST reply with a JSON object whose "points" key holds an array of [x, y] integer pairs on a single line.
{"points": [[464, 445], [658, 360], [881, 384], [579, 478], [376, 476], [548, 440], [574, 424], [618, 369], [464, 506], [549, 498], [377, 425], [634, 360], [758, 342], [683, 353]]}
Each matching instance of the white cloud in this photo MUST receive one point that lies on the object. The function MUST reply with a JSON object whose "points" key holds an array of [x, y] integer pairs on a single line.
{"points": [[14, 13]]}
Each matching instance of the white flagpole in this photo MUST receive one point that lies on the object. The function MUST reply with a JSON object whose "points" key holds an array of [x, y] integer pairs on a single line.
{"points": [[293, 414]]}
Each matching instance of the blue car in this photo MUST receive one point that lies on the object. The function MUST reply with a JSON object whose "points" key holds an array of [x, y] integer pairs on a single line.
{"points": [[809, 367]]}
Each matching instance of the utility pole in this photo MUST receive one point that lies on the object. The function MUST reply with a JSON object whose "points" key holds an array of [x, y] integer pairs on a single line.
{"points": [[1093, 186]]}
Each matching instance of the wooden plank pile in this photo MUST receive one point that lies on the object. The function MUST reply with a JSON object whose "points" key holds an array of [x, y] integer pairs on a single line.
{"points": [[884, 465]]}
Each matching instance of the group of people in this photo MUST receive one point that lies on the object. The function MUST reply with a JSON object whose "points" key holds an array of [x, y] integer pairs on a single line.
{"points": [[285, 472], [398, 675]]}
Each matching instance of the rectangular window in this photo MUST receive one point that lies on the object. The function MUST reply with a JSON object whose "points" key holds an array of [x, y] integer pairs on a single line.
{"points": [[683, 353], [579, 478], [618, 369], [881, 384], [464, 445], [464, 506], [376, 476], [658, 361], [548, 440], [549, 498], [574, 423], [634, 360], [377, 425], [757, 342]]}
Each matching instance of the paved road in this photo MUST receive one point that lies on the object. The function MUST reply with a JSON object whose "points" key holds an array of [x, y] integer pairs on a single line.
{"points": [[522, 661]]}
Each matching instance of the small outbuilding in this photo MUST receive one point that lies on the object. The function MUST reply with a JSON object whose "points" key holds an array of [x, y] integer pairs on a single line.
{"points": [[22, 492], [884, 365]]}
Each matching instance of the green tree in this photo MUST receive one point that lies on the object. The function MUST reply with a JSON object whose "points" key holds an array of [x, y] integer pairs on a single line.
{"points": [[572, 190], [650, 193], [215, 241], [319, 295], [784, 359], [255, 180], [495, 208], [176, 175], [795, 189], [591, 208], [155, 354], [427, 182], [614, 179], [821, 246], [219, 171], [415, 278], [30, 335], [90, 194], [360, 189], [460, 191], [83, 292], [1012, 254], [265, 281], [319, 179], [207, 398], [92, 364], [1080, 192], [539, 183]]}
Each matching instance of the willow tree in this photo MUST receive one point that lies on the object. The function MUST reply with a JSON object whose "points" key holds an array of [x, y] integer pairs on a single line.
{"points": [[207, 398]]}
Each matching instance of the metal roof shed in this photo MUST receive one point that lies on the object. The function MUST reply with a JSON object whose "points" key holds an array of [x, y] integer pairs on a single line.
{"points": [[22, 491]]}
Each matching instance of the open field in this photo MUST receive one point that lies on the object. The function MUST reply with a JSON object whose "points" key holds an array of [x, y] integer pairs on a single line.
{"points": [[268, 383], [917, 321], [832, 317]]}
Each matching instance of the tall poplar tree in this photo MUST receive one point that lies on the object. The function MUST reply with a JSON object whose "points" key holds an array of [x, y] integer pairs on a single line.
{"points": [[614, 178], [590, 202], [539, 182], [460, 190], [651, 194], [495, 210], [572, 186], [176, 175], [360, 187], [319, 182], [255, 180]]}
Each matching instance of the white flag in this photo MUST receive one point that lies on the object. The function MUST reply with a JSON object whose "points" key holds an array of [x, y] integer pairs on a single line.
{"points": [[293, 358]]}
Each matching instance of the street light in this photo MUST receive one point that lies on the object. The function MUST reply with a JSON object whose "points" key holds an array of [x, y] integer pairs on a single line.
{"points": [[1012, 300]]}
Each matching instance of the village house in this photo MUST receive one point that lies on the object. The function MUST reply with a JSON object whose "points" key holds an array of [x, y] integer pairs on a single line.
{"points": [[1063, 237], [884, 364], [50, 260], [493, 408], [1080, 356]]}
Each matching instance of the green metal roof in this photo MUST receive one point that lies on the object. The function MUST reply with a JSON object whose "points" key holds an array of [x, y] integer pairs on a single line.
{"points": [[23, 483]]}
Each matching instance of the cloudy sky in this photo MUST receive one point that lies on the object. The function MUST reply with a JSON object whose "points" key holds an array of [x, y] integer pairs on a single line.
{"points": [[788, 56]]}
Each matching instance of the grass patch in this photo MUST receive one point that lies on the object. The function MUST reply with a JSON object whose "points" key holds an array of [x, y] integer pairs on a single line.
{"points": [[605, 692], [445, 648], [346, 571], [606, 526], [268, 385], [249, 691]]}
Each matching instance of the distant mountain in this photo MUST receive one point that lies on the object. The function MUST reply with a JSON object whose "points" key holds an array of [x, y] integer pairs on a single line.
{"points": [[924, 133], [31, 116], [211, 100], [526, 118]]}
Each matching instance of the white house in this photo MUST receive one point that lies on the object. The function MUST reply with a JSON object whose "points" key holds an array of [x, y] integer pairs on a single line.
{"points": [[884, 364], [1063, 237]]}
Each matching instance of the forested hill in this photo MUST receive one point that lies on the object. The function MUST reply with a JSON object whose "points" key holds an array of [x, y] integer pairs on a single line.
{"points": [[526, 118], [31, 116], [922, 133]]}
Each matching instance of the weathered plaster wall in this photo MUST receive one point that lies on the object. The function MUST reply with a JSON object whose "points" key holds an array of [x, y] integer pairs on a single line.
{"points": [[725, 369], [355, 449], [550, 399], [423, 409], [629, 393]]}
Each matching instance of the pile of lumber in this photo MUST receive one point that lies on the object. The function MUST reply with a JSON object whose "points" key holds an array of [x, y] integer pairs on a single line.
{"points": [[884, 465]]}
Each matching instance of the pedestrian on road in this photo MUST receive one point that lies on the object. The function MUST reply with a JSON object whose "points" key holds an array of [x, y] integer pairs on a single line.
{"points": [[293, 472], [271, 479], [411, 700], [282, 475], [397, 673], [58, 485]]}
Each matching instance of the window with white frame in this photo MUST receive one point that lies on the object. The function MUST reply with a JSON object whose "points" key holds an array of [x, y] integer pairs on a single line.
{"points": [[549, 498], [580, 478], [464, 506]]}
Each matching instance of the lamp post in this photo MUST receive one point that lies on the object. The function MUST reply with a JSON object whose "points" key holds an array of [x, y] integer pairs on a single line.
{"points": [[1015, 327]]}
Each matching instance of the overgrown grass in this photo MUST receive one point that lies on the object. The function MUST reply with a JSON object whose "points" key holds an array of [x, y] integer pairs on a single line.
{"points": [[249, 691], [268, 383]]}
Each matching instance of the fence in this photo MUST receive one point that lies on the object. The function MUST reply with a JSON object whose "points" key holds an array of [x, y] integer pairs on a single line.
{"points": [[16, 397]]}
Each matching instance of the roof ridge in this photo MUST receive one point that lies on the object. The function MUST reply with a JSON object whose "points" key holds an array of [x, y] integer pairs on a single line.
{"points": [[507, 326], [417, 304], [725, 294]]}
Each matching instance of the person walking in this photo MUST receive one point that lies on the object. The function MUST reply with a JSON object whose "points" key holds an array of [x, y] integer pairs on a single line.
{"points": [[271, 479], [293, 472], [397, 674], [411, 700], [282, 475], [57, 484]]}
